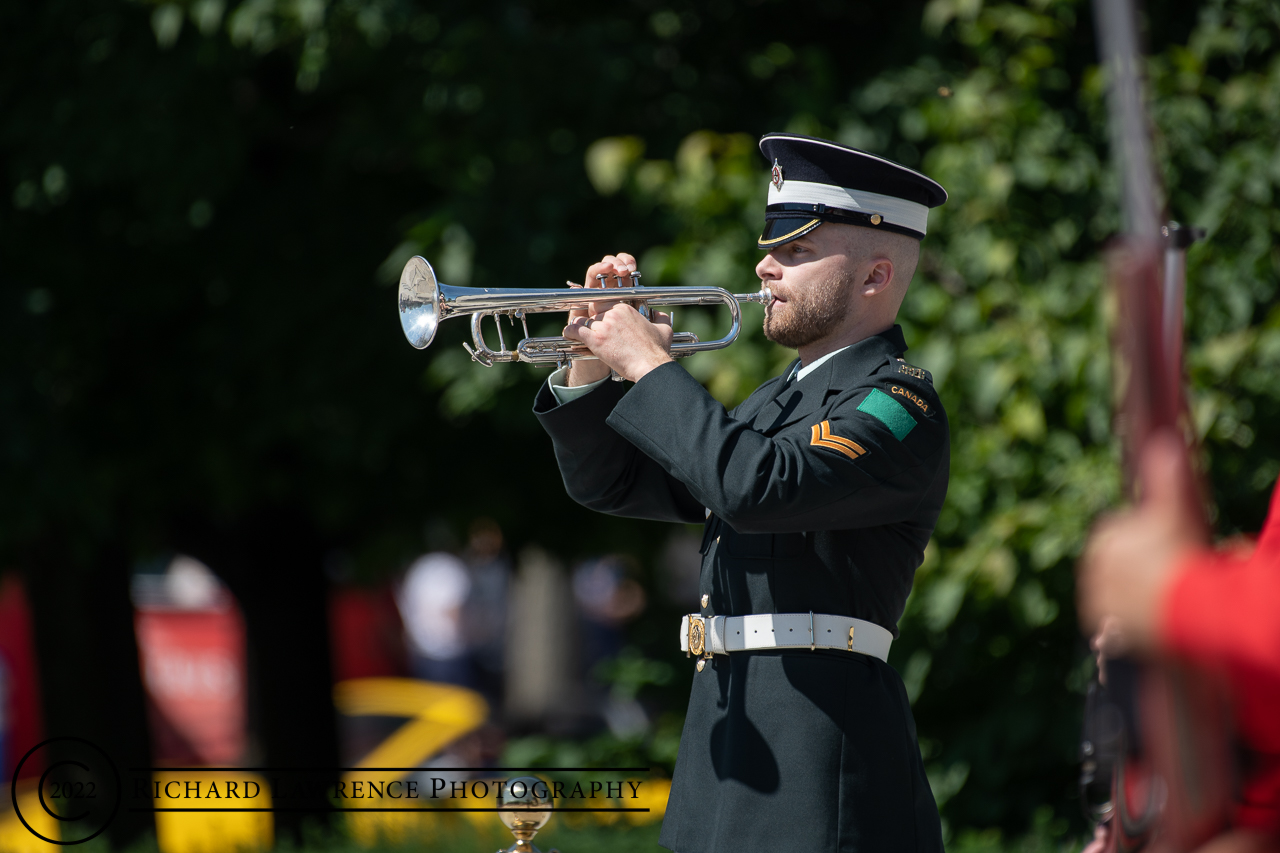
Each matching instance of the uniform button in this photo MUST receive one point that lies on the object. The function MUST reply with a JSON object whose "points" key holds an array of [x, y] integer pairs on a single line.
{"points": [[702, 662], [717, 540], [706, 599]]}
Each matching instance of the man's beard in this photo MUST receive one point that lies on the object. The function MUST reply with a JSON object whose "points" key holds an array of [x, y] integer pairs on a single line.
{"points": [[814, 311]]}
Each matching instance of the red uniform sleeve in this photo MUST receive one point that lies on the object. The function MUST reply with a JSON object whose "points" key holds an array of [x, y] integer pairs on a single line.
{"points": [[1223, 612]]}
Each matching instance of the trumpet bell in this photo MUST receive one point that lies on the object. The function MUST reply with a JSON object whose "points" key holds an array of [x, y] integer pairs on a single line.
{"points": [[419, 302]]}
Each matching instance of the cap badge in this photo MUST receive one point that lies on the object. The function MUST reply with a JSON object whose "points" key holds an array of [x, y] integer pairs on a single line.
{"points": [[777, 175]]}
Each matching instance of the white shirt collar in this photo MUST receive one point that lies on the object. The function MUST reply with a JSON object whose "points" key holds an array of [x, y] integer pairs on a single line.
{"points": [[802, 372]]}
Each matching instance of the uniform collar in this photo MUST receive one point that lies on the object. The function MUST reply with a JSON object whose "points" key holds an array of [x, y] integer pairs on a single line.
{"points": [[798, 372], [793, 401], [856, 360]]}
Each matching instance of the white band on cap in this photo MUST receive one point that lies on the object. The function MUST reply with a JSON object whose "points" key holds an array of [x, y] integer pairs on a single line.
{"points": [[896, 211]]}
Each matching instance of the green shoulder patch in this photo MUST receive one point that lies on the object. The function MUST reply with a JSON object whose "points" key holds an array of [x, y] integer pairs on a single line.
{"points": [[889, 412]]}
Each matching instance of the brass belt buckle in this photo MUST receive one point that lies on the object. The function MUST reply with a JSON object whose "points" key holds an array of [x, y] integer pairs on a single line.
{"points": [[697, 635]]}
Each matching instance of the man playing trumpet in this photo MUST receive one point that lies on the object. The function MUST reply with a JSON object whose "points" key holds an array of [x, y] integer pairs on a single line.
{"points": [[818, 494]]}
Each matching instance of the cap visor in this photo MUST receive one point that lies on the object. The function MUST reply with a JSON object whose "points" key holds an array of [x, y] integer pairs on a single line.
{"points": [[785, 228]]}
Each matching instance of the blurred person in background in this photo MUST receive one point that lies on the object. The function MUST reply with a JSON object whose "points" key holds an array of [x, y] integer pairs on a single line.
{"points": [[541, 690], [1149, 585], [607, 598], [431, 599], [485, 611], [681, 566], [818, 495]]}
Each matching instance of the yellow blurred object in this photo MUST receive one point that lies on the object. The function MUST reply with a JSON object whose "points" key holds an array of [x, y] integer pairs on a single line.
{"points": [[438, 714], [16, 838], [483, 821], [652, 794], [371, 828], [214, 832]]}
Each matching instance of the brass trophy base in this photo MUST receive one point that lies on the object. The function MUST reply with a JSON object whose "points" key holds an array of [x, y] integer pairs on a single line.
{"points": [[523, 845], [525, 806]]}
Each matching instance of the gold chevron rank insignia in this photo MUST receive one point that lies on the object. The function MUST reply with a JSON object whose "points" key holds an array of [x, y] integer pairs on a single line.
{"points": [[823, 437]]}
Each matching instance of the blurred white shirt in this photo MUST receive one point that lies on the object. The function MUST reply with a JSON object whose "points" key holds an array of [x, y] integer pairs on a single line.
{"points": [[431, 598]]}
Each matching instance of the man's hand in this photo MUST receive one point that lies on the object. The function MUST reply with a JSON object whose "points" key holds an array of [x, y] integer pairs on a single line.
{"points": [[619, 337], [1101, 839], [624, 340], [618, 269], [1130, 559]]}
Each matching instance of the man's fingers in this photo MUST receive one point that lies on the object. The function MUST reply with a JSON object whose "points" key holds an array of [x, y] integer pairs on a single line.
{"points": [[589, 280], [604, 268], [580, 330], [662, 320], [617, 269], [608, 268], [621, 264], [599, 308]]}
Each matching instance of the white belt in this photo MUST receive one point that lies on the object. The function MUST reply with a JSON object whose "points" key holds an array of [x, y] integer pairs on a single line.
{"points": [[719, 635]]}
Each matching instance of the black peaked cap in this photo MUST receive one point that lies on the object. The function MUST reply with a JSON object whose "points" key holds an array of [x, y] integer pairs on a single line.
{"points": [[820, 161]]}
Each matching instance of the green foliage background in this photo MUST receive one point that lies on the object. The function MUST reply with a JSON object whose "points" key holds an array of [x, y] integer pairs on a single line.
{"points": [[209, 204]]}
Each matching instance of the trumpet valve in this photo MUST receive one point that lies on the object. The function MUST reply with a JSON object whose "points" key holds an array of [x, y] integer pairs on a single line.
{"points": [[642, 307]]}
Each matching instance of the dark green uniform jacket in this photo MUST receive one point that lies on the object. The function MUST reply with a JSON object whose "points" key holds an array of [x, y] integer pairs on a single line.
{"points": [[822, 494]]}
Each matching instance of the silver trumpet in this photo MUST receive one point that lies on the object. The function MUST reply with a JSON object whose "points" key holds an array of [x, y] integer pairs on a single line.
{"points": [[425, 302]]}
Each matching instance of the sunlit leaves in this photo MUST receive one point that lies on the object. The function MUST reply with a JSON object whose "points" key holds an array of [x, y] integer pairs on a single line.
{"points": [[608, 161]]}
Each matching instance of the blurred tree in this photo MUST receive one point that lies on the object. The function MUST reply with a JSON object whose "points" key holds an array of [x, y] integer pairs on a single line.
{"points": [[209, 205]]}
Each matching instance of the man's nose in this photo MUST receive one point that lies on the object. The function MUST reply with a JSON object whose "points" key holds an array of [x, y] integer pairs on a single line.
{"points": [[768, 269]]}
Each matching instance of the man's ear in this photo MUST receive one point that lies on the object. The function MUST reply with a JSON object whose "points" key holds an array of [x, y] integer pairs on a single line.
{"points": [[878, 278]]}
